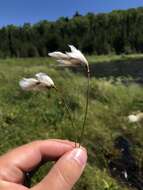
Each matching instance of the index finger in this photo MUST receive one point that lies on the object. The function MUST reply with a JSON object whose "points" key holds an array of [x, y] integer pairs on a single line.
{"points": [[30, 155]]}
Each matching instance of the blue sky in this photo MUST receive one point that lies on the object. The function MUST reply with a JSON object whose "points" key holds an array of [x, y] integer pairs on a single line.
{"points": [[21, 11]]}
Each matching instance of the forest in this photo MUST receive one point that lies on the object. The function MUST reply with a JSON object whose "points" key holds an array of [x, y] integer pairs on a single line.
{"points": [[117, 32]]}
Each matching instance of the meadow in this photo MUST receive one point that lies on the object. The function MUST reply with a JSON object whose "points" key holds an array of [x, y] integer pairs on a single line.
{"points": [[28, 116]]}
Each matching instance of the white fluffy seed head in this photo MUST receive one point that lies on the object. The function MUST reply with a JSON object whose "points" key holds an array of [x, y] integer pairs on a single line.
{"points": [[28, 83], [77, 54], [133, 118], [75, 57], [64, 62], [42, 82], [58, 55], [45, 80]]}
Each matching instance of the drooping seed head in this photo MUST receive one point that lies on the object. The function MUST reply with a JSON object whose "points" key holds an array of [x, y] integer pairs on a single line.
{"points": [[28, 84], [58, 55], [132, 118], [75, 57], [44, 80], [135, 118]]}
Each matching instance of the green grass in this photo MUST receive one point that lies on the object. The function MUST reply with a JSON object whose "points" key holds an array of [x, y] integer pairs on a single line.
{"points": [[92, 59], [113, 58], [27, 116]]}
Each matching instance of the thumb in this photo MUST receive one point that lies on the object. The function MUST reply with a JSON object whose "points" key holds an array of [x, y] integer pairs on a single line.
{"points": [[65, 172]]}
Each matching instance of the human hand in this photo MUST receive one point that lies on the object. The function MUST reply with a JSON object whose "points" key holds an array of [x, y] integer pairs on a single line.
{"points": [[63, 175]]}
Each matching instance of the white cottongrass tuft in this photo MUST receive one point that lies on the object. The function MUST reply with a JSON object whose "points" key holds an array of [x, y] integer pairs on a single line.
{"points": [[28, 83], [58, 55], [45, 80], [42, 82], [135, 118], [132, 118], [75, 57]]}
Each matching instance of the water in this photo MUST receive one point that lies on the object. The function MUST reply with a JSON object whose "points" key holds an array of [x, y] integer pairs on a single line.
{"points": [[125, 168]]}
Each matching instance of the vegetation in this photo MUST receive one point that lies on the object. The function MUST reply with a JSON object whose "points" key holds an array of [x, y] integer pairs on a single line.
{"points": [[25, 116], [94, 59], [116, 32]]}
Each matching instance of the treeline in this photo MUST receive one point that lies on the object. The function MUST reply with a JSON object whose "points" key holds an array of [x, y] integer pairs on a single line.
{"points": [[116, 32]]}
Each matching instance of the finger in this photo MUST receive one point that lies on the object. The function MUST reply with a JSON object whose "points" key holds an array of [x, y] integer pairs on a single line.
{"points": [[4, 185], [65, 172], [27, 157]]}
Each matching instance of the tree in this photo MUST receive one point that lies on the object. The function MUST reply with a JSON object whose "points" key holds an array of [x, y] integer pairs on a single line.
{"points": [[117, 32]]}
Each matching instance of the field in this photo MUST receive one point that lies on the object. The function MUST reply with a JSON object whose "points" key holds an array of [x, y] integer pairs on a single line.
{"points": [[28, 116]]}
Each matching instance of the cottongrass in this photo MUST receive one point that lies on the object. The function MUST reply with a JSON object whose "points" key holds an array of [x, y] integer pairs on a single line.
{"points": [[75, 58], [134, 118], [40, 83], [43, 82]]}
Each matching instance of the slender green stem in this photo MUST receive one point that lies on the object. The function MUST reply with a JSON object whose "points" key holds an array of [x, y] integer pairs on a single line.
{"points": [[86, 108], [68, 110]]}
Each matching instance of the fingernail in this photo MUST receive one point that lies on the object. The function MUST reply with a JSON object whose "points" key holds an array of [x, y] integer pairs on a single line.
{"points": [[79, 155]]}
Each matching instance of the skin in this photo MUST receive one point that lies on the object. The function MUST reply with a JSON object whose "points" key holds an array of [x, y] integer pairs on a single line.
{"points": [[69, 165]]}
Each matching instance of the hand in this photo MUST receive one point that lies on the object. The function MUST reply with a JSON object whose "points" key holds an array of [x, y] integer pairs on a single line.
{"points": [[63, 175]]}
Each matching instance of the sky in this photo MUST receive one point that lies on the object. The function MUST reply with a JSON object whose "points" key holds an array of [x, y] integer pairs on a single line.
{"points": [[19, 12]]}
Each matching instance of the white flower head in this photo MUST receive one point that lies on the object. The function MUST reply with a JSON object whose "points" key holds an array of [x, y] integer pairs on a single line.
{"points": [[132, 118], [45, 80], [58, 55], [75, 57], [135, 117], [28, 84], [42, 82]]}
